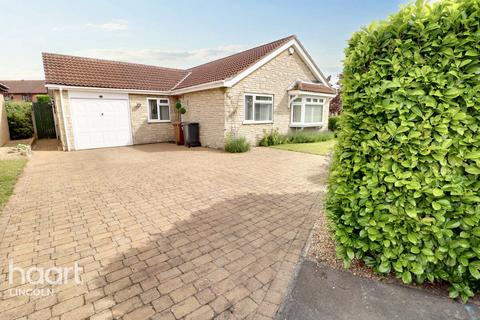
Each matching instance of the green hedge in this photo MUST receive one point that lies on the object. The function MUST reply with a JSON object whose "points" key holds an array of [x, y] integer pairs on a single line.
{"points": [[273, 137], [309, 137], [43, 98], [404, 193], [333, 123], [19, 116]]}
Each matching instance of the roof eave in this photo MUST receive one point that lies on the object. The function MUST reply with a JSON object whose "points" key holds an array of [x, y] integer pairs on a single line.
{"points": [[203, 86], [307, 59], [54, 86], [312, 93], [3, 88]]}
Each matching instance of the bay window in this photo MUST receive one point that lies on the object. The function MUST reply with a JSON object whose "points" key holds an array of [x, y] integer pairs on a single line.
{"points": [[307, 111], [258, 108]]}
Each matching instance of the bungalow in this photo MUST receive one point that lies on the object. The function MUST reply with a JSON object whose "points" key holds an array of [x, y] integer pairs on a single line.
{"points": [[102, 103]]}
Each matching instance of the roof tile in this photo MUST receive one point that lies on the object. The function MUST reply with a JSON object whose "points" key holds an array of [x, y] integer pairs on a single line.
{"points": [[88, 72], [25, 86], [3, 88], [314, 87], [230, 66]]}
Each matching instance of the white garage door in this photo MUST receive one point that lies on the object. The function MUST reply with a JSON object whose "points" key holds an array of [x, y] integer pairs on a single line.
{"points": [[100, 122]]}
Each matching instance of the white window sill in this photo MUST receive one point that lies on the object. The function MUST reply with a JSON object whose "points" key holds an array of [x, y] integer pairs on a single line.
{"points": [[159, 121], [257, 122], [305, 125]]}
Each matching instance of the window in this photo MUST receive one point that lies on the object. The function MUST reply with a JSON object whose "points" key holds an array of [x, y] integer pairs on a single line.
{"points": [[307, 111], [297, 113], [158, 110], [258, 108], [27, 97]]}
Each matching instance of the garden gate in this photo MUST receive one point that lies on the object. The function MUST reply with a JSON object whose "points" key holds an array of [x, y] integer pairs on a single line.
{"points": [[44, 123]]}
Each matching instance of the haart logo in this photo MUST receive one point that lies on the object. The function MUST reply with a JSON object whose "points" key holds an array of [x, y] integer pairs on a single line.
{"points": [[42, 276]]}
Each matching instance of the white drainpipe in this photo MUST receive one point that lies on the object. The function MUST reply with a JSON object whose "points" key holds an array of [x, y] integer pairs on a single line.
{"points": [[64, 119]]}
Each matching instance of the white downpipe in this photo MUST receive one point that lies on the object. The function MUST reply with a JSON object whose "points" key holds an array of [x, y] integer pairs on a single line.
{"points": [[64, 119]]}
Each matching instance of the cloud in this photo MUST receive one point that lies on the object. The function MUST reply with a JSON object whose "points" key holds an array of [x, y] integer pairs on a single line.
{"points": [[166, 58], [22, 70], [113, 25]]}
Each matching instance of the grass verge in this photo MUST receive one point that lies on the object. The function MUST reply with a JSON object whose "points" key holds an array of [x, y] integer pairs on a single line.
{"points": [[9, 172], [320, 148]]}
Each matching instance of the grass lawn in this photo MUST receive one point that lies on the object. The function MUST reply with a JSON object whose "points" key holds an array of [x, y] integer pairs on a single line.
{"points": [[321, 148], [9, 172]]}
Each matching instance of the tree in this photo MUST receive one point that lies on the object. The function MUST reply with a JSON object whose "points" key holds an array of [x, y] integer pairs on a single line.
{"points": [[336, 103]]}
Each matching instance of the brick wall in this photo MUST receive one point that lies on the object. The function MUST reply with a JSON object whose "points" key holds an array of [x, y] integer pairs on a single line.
{"points": [[145, 132], [272, 78], [4, 134], [20, 96], [59, 118], [208, 108]]}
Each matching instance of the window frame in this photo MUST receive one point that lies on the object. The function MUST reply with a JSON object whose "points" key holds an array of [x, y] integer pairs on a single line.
{"points": [[27, 97], [321, 101], [150, 120], [254, 95]]}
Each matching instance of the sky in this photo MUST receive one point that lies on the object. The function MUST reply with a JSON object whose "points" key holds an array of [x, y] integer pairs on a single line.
{"points": [[178, 34]]}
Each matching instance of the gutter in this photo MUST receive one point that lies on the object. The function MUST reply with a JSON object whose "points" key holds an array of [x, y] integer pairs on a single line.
{"points": [[200, 87], [59, 87]]}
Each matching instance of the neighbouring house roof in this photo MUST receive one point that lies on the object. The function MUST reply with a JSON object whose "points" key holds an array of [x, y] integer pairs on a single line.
{"points": [[25, 86], [87, 72], [313, 87], [3, 88]]}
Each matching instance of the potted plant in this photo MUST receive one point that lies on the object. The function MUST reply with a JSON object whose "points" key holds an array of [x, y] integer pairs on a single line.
{"points": [[177, 125]]}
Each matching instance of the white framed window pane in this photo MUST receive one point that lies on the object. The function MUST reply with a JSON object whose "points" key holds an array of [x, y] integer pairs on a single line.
{"points": [[298, 100], [309, 100], [248, 107], [297, 113], [263, 111], [313, 113], [152, 109], [263, 98], [164, 113], [163, 101]]}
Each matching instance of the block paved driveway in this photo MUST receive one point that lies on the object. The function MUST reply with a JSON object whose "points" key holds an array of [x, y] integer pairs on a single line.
{"points": [[160, 231]]}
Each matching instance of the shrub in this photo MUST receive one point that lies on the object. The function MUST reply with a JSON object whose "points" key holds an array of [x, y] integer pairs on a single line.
{"points": [[273, 138], [404, 194], [43, 98], [333, 123], [307, 137], [19, 116], [336, 104], [236, 144]]}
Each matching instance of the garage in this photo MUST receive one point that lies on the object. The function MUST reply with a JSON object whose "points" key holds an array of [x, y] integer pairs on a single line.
{"points": [[100, 120]]}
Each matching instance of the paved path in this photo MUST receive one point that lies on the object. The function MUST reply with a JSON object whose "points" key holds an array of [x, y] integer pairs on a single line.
{"points": [[160, 231], [323, 293]]}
